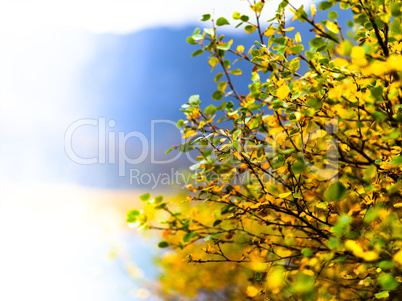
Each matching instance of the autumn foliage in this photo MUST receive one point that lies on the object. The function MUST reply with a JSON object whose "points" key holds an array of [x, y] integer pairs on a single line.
{"points": [[297, 188]]}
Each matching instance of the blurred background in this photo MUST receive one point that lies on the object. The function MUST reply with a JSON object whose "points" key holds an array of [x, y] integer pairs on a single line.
{"points": [[80, 84]]}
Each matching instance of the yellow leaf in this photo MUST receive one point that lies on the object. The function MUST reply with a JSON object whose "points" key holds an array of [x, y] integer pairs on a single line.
{"points": [[358, 56], [398, 205], [289, 29], [340, 62], [213, 61], [283, 91], [359, 252], [284, 195], [283, 252], [240, 48], [237, 187], [395, 62], [269, 32], [354, 247], [308, 272], [298, 38], [275, 277], [358, 53], [313, 8], [265, 165], [332, 26], [398, 257], [370, 256], [282, 169], [298, 115], [252, 291], [378, 68], [189, 134], [194, 212], [322, 205]]}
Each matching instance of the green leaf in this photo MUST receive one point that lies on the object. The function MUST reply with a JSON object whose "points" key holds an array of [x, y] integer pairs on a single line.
{"points": [[133, 212], [180, 124], [163, 244], [236, 145], [188, 236], [210, 110], [236, 72], [222, 21], [347, 47], [158, 199], [307, 252], [132, 216], [206, 17], [388, 282], [244, 18], [386, 264], [216, 223], [325, 5], [301, 14], [396, 160], [395, 8], [287, 151], [218, 77], [197, 52], [217, 95], [236, 134], [131, 219], [225, 46], [379, 115], [298, 167], [222, 86], [145, 197], [250, 28], [296, 49], [196, 34], [280, 40], [186, 147], [191, 41], [226, 63], [314, 103], [194, 100], [209, 31], [316, 42], [169, 150], [258, 7], [377, 91], [161, 206], [229, 105], [336, 192], [382, 295], [333, 15]]}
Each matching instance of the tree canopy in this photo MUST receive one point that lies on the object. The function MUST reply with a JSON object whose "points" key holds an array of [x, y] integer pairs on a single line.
{"points": [[297, 185]]}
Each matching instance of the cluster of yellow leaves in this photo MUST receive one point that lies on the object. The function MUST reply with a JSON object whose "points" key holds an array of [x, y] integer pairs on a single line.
{"points": [[317, 214]]}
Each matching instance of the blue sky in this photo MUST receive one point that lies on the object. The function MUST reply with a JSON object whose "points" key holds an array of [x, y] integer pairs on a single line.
{"points": [[62, 61]]}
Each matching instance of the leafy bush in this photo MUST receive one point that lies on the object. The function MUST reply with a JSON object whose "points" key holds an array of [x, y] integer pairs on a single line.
{"points": [[297, 192]]}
